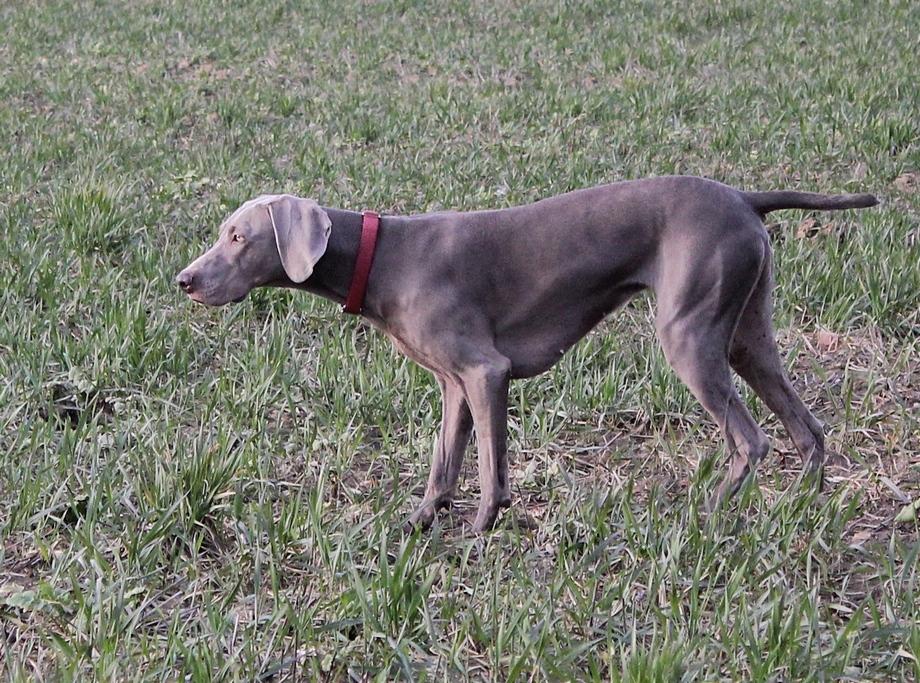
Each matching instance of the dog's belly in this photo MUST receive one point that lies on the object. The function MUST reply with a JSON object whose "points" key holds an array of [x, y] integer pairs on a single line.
{"points": [[535, 343]]}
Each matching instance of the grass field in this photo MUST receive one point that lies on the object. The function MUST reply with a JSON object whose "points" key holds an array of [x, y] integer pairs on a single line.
{"points": [[217, 495]]}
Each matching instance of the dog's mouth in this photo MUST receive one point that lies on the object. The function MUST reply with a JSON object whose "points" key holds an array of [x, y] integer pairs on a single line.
{"points": [[202, 298]]}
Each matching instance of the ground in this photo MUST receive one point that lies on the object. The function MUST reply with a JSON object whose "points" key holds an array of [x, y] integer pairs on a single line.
{"points": [[218, 495]]}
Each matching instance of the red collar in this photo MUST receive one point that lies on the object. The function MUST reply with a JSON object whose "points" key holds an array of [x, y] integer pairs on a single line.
{"points": [[370, 223]]}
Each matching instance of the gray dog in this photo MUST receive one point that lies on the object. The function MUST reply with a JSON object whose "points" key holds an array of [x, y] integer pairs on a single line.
{"points": [[484, 297]]}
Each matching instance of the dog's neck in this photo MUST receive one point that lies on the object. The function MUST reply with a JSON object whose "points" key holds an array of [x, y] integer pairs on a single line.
{"points": [[332, 275]]}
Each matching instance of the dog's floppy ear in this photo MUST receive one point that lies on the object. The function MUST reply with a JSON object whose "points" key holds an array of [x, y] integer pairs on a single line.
{"points": [[301, 233]]}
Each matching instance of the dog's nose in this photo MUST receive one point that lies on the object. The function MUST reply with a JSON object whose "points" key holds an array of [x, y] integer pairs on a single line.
{"points": [[185, 281]]}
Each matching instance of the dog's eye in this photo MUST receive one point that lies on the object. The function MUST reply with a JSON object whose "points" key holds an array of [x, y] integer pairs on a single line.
{"points": [[237, 237]]}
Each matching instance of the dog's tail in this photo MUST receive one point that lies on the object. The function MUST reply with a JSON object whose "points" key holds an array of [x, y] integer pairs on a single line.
{"points": [[765, 202]]}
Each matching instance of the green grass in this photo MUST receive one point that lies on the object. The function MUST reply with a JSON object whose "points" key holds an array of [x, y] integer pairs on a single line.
{"points": [[217, 495]]}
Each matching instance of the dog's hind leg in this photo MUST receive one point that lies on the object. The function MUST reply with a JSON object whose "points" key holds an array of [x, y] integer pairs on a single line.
{"points": [[699, 306], [756, 359]]}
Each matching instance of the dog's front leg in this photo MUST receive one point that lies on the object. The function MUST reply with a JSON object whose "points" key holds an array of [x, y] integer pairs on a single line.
{"points": [[456, 425], [486, 388]]}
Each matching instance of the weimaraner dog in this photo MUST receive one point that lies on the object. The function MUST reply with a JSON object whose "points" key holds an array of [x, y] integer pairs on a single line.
{"points": [[484, 297]]}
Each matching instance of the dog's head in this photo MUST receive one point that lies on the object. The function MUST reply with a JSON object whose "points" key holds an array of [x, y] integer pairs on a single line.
{"points": [[272, 239]]}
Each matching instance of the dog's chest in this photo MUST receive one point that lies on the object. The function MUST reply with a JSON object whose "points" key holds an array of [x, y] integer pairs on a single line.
{"points": [[416, 354]]}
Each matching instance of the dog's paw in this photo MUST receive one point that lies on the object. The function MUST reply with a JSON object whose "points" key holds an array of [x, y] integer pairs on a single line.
{"points": [[488, 514], [421, 519]]}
